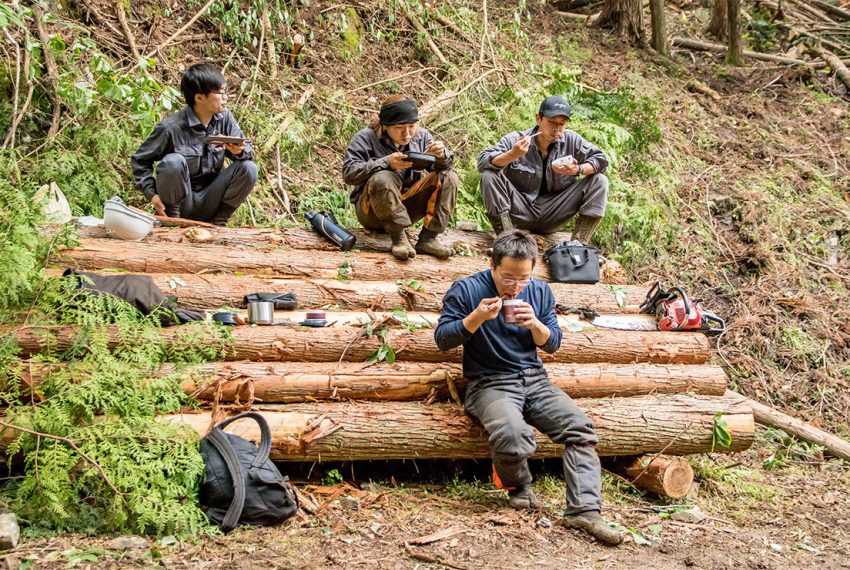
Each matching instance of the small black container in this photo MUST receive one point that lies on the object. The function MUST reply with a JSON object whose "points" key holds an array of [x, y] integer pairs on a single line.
{"points": [[327, 226], [226, 318]]}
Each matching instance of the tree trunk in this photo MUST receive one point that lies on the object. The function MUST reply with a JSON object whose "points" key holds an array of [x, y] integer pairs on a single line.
{"points": [[678, 424], [719, 24], [212, 291], [735, 55], [766, 415], [288, 382], [300, 238], [668, 477], [659, 27], [277, 343], [625, 17]]}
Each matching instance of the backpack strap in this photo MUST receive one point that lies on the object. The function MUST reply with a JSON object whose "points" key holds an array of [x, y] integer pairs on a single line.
{"points": [[221, 442], [265, 437]]}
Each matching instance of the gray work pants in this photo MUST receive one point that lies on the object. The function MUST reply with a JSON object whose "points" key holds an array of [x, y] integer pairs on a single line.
{"points": [[385, 203], [507, 404], [230, 187], [547, 213]]}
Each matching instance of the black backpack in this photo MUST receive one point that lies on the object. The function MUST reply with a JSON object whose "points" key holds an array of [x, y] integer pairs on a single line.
{"points": [[241, 484]]}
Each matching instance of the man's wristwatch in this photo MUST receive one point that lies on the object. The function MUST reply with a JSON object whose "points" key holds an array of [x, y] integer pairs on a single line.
{"points": [[580, 170]]}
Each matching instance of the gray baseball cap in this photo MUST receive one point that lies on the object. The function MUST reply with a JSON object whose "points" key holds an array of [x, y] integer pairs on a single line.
{"points": [[554, 106]]}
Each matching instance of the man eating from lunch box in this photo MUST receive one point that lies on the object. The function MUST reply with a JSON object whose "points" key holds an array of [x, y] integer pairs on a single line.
{"points": [[540, 178], [189, 147], [502, 316], [401, 174]]}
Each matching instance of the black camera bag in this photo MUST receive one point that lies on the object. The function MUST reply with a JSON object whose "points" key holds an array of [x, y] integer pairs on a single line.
{"points": [[573, 263], [241, 484]]}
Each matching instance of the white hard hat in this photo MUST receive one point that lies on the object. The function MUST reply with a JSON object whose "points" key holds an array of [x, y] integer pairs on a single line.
{"points": [[125, 222]]}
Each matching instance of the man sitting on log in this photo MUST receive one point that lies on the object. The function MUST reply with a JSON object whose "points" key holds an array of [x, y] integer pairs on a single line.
{"points": [[391, 193], [540, 178], [191, 181], [509, 389]]}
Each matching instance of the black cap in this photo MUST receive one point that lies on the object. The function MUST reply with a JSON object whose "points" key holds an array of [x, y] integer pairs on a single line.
{"points": [[554, 106]]}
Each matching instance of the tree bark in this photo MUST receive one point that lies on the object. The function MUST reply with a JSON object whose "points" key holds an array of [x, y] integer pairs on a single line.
{"points": [[288, 382], [719, 24], [300, 238], [669, 477], [659, 27], [278, 343], [625, 17], [765, 415], [735, 55], [678, 424], [212, 291]]}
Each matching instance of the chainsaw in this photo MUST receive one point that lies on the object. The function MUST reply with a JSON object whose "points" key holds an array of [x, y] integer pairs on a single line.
{"points": [[675, 312]]}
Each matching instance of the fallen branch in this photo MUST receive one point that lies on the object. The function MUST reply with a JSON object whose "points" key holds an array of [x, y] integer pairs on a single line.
{"points": [[421, 29], [393, 78], [588, 18], [188, 24], [829, 8], [120, 11], [52, 71], [841, 71], [718, 48], [272, 56], [169, 222], [451, 25], [284, 125], [765, 415]]}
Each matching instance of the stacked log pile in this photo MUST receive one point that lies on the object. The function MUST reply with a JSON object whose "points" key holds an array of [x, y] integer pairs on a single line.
{"points": [[648, 392]]}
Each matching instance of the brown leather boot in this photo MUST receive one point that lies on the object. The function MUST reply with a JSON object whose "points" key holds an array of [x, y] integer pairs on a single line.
{"points": [[593, 524], [401, 248], [429, 244]]}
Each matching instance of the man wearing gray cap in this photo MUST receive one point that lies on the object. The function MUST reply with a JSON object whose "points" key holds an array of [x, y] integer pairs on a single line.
{"points": [[538, 179]]}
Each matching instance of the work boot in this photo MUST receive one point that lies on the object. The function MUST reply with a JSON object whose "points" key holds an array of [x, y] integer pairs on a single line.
{"points": [[593, 524], [222, 215], [429, 244], [523, 499], [172, 211], [401, 249], [501, 223], [585, 226]]}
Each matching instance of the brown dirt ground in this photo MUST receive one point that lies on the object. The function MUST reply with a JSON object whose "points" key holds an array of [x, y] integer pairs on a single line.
{"points": [[794, 517]]}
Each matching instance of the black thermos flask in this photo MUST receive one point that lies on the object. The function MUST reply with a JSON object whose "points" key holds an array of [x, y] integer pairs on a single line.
{"points": [[325, 224]]}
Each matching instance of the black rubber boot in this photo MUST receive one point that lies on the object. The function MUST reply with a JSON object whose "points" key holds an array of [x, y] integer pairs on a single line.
{"points": [[222, 215], [501, 223]]}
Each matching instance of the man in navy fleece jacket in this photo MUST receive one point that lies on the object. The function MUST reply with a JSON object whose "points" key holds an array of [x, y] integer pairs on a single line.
{"points": [[509, 390]]}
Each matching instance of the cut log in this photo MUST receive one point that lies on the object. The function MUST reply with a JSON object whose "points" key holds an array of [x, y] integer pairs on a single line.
{"points": [[279, 343], [669, 477], [678, 424], [841, 71], [213, 291], [765, 415], [287, 382], [301, 238], [196, 258]]}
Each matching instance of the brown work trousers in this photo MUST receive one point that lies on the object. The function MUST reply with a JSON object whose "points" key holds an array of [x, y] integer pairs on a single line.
{"points": [[385, 204]]}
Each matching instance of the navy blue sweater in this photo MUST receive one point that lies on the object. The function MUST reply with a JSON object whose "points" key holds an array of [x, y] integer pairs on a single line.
{"points": [[496, 347]]}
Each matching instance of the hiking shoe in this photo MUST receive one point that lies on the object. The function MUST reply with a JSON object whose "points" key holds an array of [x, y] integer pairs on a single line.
{"points": [[429, 244], [523, 499], [402, 249], [593, 524]]}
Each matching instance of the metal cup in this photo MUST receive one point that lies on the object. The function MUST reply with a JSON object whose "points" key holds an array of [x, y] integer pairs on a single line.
{"points": [[261, 313]]}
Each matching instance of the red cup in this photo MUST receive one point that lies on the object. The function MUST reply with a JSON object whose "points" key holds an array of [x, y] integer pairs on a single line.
{"points": [[509, 307]]}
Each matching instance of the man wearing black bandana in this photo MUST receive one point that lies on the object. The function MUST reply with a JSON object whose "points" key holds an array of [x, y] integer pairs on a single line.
{"points": [[538, 179], [389, 193]]}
